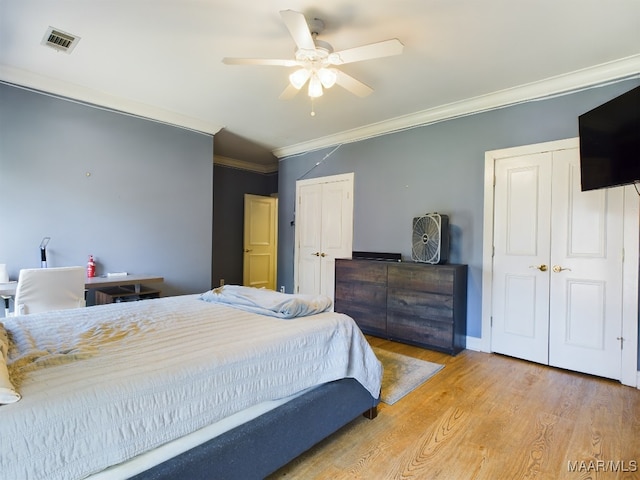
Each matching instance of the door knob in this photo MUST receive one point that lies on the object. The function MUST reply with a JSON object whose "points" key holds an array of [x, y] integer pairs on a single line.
{"points": [[542, 268], [558, 268], [323, 254], [317, 254], [247, 250]]}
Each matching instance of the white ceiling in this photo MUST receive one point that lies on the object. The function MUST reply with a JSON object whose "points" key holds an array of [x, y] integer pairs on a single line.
{"points": [[162, 59]]}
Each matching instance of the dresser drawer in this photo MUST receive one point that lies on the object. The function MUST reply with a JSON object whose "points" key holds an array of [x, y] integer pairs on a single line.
{"points": [[361, 271], [418, 331], [361, 293], [424, 305], [425, 278], [365, 302]]}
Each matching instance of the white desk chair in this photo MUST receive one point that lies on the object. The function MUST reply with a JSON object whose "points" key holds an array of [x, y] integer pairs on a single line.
{"points": [[44, 289]]}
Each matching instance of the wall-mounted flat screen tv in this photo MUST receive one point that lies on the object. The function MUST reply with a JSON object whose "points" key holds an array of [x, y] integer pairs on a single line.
{"points": [[610, 143]]}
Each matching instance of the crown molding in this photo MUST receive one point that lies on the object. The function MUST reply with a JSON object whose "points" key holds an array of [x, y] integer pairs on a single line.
{"points": [[597, 75], [244, 165], [94, 98]]}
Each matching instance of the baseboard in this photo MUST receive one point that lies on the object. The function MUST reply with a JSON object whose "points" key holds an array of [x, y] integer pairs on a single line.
{"points": [[638, 381], [475, 343]]}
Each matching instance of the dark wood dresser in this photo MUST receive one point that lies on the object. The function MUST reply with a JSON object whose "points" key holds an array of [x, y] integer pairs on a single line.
{"points": [[416, 303]]}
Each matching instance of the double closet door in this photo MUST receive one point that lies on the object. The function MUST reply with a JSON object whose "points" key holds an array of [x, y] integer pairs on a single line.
{"points": [[324, 231], [557, 266]]}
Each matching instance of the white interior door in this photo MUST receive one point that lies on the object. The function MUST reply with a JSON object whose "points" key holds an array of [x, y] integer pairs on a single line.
{"points": [[324, 231], [337, 230], [585, 312], [557, 272], [308, 238], [521, 258]]}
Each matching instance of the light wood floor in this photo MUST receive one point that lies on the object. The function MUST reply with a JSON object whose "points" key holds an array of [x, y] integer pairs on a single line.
{"points": [[487, 416]]}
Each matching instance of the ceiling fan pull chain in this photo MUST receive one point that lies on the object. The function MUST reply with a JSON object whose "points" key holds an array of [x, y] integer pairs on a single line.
{"points": [[313, 112]]}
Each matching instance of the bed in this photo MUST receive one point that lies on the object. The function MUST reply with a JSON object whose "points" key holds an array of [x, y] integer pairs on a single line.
{"points": [[180, 387]]}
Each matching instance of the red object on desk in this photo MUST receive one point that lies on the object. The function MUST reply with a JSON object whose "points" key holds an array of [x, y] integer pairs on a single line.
{"points": [[91, 267]]}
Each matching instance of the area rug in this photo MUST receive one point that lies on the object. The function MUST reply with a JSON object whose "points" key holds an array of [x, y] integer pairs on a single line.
{"points": [[403, 374]]}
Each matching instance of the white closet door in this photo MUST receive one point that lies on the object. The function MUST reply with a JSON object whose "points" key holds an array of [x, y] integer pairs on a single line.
{"points": [[309, 238], [521, 258], [557, 284], [337, 231], [585, 321], [324, 231]]}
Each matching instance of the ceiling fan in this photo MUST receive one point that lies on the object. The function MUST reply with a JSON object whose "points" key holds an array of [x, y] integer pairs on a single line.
{"points": [[316, 59]]}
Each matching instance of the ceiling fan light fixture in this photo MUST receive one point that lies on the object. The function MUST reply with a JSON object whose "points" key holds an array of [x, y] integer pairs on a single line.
{"points": [[328, 77], [314, 59], [299, 78], [315, 87]]}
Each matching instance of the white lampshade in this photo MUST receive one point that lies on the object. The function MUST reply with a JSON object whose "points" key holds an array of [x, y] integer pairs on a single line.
{"points": [[299, 78], [315, 87], [327, 77]]}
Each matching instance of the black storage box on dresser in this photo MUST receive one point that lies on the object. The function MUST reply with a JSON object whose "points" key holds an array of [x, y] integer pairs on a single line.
{"points": [[416, 303]]}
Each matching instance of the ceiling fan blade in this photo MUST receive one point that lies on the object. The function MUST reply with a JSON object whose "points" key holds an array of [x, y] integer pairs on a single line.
{"points": [[298, 28], [385, 48], [260, 61], [288, 93], [351, 84]]}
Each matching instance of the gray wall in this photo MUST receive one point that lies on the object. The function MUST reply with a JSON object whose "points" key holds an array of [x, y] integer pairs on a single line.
{"points": [[433, 168], [229, 187], [136, 194]]}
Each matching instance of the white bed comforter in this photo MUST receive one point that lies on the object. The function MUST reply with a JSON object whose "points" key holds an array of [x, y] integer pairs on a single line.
{"points": [[100, 385]]}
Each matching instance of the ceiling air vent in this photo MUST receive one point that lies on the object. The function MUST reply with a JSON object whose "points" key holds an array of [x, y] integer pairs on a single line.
{"points": [[61, 41]]}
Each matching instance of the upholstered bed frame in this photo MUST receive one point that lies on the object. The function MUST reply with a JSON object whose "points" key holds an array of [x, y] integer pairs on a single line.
{"points": [[261, 446]]}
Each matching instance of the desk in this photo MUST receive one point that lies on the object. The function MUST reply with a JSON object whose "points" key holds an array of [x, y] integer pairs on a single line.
{"points": [[121, 288], [9, 289], [121, 281]]}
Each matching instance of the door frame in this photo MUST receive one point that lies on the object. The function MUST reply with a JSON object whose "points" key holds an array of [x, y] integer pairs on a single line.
{"points": [[629, 374]]}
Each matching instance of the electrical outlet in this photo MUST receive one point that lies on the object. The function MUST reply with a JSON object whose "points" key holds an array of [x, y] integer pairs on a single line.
{"points": [[222, 282], [282, 289]]}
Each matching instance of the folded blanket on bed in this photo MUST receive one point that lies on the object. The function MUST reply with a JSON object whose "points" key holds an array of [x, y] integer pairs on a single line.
{"points": [[8, 393], [268, 302]]}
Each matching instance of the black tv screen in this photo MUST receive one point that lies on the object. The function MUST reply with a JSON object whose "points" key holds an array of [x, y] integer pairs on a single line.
{"points": [[610, 143]]}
